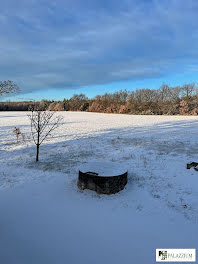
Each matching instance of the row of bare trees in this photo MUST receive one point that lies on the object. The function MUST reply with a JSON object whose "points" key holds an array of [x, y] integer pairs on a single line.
{"points": [[166, 100]]}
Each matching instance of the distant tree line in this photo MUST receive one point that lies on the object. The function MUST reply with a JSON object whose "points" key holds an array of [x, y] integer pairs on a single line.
{"points": [[179, 100]]}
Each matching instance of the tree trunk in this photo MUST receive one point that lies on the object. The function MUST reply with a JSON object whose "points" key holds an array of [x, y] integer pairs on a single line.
{"points": [[38, 138], [37, 152]]}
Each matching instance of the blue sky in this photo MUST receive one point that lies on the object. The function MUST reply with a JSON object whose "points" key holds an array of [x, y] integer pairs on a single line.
{"points": [[53, 49]]}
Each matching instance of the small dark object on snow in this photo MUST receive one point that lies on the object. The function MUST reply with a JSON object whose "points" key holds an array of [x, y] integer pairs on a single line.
{"points": [[107, 179], [192, 164], [196, 168]]}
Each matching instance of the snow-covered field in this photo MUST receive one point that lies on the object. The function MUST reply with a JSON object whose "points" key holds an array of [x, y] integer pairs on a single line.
{"points": [[45, 219]]}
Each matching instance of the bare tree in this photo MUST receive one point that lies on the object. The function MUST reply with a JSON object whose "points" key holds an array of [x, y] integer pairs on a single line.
{"points": [[42, 124], [17, 132], [7, 87], [188, 90]]}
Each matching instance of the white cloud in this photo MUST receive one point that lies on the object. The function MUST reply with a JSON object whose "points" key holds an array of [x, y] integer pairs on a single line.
{"points": [[75, 43]]}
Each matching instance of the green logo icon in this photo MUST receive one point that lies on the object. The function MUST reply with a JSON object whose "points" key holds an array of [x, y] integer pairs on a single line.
{"points": [[163, 255]]}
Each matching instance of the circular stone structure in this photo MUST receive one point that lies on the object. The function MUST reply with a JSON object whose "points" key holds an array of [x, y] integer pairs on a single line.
{"points": [[102, 177]]}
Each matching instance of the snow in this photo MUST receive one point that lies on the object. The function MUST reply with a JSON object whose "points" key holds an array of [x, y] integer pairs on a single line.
{"points": [[103, 169], [44, 218]]}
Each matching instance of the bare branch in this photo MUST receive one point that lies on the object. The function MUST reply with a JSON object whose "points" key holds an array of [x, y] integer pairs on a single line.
{"points": [[7, 87], [42, 124], [56, 124]]}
